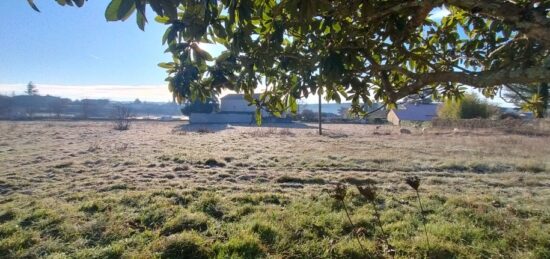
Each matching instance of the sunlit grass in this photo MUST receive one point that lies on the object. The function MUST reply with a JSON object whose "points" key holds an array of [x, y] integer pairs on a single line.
{"points": [[482, 195]]}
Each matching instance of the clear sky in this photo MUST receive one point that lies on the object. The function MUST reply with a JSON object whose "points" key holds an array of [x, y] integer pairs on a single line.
{"points": [[68, 47]]}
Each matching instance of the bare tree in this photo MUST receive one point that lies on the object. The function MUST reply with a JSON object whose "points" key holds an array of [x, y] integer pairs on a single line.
{"points": [[121, 117], [31, 91]]}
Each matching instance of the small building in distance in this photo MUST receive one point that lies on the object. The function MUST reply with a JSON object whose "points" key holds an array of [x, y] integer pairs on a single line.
{"points": [[237, 103], [234, 109], [376, 114], [413, 113], [377, 117]]}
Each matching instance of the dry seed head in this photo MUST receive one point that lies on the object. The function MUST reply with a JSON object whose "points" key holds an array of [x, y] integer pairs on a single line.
{"points": [[339, 192], [369, 192], [413, 182]]}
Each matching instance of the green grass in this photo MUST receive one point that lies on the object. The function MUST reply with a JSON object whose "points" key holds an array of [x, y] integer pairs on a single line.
{"points": [[314, 227], [183, 245]]}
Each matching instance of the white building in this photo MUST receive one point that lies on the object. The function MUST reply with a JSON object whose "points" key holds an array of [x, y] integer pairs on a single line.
{"points": [[236, 103], [234, 109]]}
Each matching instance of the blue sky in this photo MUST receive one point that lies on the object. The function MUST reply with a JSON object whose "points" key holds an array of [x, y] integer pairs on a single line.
{"points": [[76, 46], [67, 47]]}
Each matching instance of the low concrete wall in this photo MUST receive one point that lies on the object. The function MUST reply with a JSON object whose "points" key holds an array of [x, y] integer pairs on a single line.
{"points": [[211, 118]]}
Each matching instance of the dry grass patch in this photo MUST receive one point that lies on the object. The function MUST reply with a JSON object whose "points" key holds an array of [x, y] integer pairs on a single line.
{"points": [[81, 189]]}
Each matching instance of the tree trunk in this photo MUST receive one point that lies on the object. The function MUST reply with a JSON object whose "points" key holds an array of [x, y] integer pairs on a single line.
{"points": [[542, 91], [320, 116]]}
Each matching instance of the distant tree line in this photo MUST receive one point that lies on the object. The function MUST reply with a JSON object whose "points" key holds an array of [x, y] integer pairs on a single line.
{"points": [[31, 105]]}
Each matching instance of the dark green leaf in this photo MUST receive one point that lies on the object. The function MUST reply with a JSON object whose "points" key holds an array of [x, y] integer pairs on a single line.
{"points": [[33, 6], [119, 10], [79, 3], [141, 20]]}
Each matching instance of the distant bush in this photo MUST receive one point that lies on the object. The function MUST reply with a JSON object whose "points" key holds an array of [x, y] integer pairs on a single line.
{"points": [[121, 117], [469, 107]]}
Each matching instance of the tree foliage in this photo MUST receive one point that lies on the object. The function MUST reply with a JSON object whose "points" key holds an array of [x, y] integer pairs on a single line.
{"points": [[31, 89], [364, 51], [198, 106], [533, 97]]}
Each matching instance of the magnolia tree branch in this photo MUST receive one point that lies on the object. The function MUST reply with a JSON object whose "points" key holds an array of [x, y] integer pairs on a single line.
{"points": [[531, 20], [511, 88], [479, 79]]}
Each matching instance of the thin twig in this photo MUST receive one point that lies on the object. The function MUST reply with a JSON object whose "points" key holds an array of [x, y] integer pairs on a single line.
{"points": [[423, 219], [385, 237]]}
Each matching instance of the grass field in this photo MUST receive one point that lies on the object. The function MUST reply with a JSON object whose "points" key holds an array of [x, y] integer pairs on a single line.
{"points": [[83, 190]]}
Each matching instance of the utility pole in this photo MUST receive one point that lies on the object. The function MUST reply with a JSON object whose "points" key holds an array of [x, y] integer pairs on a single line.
{"points": [[320, 116]]}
